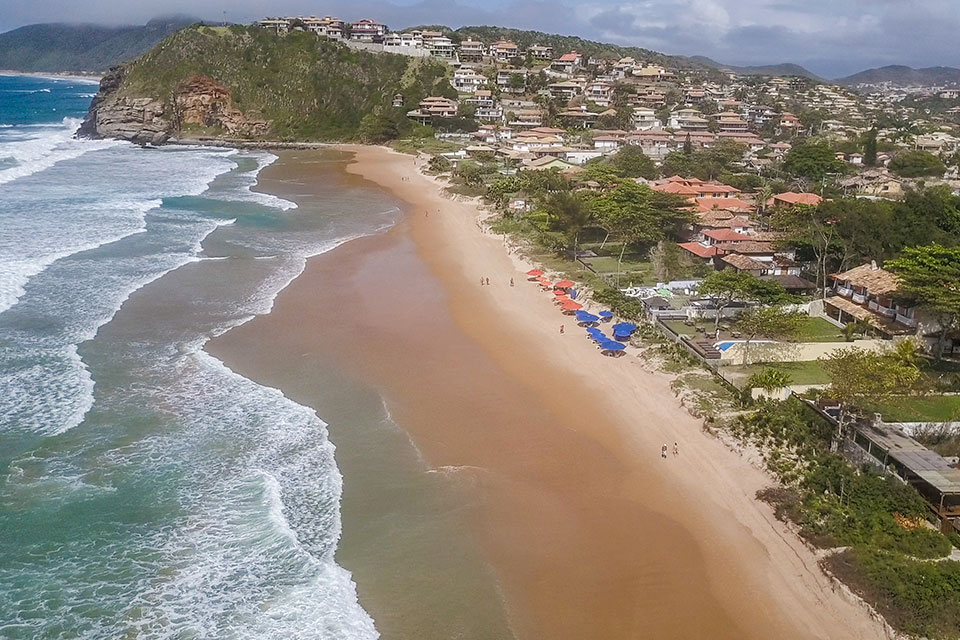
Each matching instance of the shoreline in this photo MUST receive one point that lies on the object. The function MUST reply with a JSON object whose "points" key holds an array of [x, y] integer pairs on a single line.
{"points": [[92, 78], [588, 531]]}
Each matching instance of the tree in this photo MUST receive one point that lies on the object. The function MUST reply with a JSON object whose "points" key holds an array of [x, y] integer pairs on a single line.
{"points": [[470, 173], [860, 379], [377, 128], [771, 322], [931, 276], [727, 286], [439, 164], [631, 162], [638, 215], [917, 164], [769, 380], [870, 148], [571, 214], [812, 161]]}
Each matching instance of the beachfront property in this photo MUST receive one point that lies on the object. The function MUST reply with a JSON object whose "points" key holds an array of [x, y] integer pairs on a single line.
{"points": [[367, 30], [434, 107], [869, 294]]}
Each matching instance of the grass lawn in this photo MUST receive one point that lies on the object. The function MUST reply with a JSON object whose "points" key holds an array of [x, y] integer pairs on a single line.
{"points": [[921, 409], [818, 330], [632, 272], [800, 372]]}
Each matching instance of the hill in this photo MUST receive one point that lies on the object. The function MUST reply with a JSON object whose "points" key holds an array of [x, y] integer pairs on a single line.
{"points": [[246, 82], [81, 47], [785, 69], [902, 76]]}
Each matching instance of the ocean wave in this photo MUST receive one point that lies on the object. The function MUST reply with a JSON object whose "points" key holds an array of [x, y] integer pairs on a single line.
{"points": [[39, 153], [246, 180]]}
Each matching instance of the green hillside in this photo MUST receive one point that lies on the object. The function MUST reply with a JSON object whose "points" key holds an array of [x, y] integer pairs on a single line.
{"points": [[308, 88], [73, 47]]}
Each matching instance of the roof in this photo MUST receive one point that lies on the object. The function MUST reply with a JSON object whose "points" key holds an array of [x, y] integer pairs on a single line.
{"points": [[570, 57], [927, 464], [718, 219], [730, 204], [676, 187], [791, 197], [862, 313], [747, 247], [872, 278], [698, 249], [744, 263], [791, 282], [726, 235]]}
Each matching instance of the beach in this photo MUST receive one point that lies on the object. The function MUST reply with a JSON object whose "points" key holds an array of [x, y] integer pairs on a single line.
{"points": [[549, 512]]}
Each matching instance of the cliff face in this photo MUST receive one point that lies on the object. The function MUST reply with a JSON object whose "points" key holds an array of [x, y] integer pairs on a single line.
{"points": [[200, 100]]}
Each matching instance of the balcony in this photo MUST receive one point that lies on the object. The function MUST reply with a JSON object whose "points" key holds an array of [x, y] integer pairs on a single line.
{"points": [[884, 311], [859, 298], [905, 320]]}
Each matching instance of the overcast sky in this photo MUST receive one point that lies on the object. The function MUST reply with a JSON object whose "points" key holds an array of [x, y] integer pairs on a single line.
{"points": [[830, 37]]}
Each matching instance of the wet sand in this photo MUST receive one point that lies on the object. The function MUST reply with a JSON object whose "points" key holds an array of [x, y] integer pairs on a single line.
{"points": [[553, 450]]}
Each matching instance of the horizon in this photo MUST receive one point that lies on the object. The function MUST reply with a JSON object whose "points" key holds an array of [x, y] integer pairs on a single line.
{"points": [[860, 35]]}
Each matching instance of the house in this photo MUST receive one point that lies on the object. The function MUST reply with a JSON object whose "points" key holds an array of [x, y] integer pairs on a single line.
{"points": [[607, 143], [434, 107], [398, 100], [540, 52], [855, 158], [789, 121], [504, 50], [328, 27], [548, 162], [687, 120], [728, 121], [568, 62], [599, 92], [440, 46], [867, 293], [402, 42], [644, 119], [650, 73], [791, 198], [874, 182], [277, 25], [467, 80], [519, 202], [744, 264], [367, 30], [565, 90], [472, 50], [525, 118]]}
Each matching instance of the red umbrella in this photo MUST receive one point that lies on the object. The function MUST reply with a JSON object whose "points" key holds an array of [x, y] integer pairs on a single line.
{"points": [[565, 284], [570, 305], [546, 284], [534, 272], [560, 294]]}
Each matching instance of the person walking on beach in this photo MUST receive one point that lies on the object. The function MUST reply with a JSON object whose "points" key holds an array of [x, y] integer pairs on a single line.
{"points": [[561, 329], [663, 451], [481, 281], [511, 282], [488, 280], [676, 449]]}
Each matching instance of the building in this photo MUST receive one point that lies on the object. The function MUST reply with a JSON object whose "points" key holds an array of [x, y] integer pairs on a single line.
{"points": [[328, 27], [440, 46], [791, 198], [730, 122], [512, 80], [472, 50], [278, 25], [540, 52], [599, 92], [866, 293], [565, 90], [645, 119], [504, 50], [404, 42], [367, 30], [568, 62], [434, 107], [467, 80]]}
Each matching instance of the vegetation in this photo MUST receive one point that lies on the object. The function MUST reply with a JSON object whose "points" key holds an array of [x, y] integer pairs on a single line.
{"points": [[771, 322], [812, 161], [81, 47], [930, 275], [727, 286], [916, 164], [308, 88]]}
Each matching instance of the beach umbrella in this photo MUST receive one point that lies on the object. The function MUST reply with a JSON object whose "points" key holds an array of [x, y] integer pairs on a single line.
{"points": [[621, 336], [586, 316], [594, 331], [610, 345], [564, 284], [546, 284], [606, 315], [625, 327], [570, 305], [535, 273], [560, 294]]}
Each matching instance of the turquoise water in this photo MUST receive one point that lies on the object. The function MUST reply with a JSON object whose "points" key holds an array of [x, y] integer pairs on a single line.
{"points": [[145, 489]]}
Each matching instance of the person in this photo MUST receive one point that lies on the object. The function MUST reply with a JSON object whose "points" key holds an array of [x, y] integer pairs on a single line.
{"points": [[481, 281], [488, 280], [561, 329], [511, 282], [663, 451], [676, 449]]}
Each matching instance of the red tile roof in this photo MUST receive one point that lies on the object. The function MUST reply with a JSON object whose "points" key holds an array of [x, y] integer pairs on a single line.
{"points": [[727, 235], [698, 249], [729, 204], [791, 197]]}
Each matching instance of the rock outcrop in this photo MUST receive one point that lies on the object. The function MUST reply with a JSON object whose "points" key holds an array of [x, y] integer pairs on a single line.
{"points": [[199, 101]]}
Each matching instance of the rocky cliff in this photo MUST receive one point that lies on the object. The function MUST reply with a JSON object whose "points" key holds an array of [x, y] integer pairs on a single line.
{"points": [[199, 100]]}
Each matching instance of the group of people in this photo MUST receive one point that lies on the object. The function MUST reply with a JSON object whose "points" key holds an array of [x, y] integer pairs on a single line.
{"points": [[663, 450], [486, 281]]}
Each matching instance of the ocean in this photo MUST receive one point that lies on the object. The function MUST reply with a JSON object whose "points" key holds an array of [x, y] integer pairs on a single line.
{"points": [[146, 490]]}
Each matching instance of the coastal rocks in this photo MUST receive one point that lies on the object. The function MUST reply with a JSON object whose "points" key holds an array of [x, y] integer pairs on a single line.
{"points": [[199, 102], [140, 120], [205, 102]]}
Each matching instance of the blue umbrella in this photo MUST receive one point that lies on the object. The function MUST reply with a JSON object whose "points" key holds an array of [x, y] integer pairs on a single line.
{"points": [[621, 336], [585, 316], [610, 345], [605, 314], [625, 327], [594, 331]]}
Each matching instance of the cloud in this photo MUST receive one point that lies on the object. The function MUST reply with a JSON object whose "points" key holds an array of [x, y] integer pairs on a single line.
{"points": [[831, 37]]}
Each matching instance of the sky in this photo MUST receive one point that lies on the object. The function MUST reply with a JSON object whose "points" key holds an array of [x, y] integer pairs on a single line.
{"points": [[830, 37]]}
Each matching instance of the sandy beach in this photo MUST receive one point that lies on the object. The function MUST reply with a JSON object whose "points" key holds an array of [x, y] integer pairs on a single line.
{"points": [[554, 450]]}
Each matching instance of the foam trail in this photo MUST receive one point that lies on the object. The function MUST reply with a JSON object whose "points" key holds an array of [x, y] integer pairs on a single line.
{"points": [[37, 154]]}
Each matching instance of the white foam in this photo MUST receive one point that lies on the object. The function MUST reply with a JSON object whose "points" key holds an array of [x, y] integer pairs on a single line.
{"points": [[44, 151]]}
